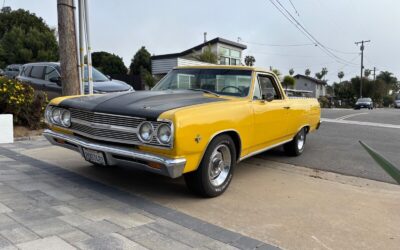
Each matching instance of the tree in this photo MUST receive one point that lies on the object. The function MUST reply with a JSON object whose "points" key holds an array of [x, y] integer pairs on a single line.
{"points": [[276, 72], [319, 75], [108, 63], [307, 72], [291, 72], [389, 79], [367, 73], [340, 75], [249, 60], [324, 72], [140, 62], [24, 38], [207, 55], [289, 81]]}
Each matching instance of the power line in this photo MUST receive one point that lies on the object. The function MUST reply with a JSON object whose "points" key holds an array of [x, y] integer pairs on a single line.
{"points": [[343, 52], [294, 8], [305, 32], [278, 54], [280, 45]]}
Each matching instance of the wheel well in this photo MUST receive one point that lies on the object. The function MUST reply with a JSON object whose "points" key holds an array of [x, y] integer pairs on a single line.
{"points": [[307, 128], [236, 139]]}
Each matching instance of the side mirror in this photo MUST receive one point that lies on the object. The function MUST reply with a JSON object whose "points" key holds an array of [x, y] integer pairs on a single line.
{"points": [[109, 77], [56, 80], [268, 97]]}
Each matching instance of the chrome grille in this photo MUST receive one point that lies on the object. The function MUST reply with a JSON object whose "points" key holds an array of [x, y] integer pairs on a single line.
{"points": [[109, 119], [109, 127]]}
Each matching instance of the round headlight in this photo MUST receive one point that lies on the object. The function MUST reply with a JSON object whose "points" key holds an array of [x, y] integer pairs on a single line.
{"points": [[47, 114], [146, 131], [56, 115], [164, 133], [65, 118]]}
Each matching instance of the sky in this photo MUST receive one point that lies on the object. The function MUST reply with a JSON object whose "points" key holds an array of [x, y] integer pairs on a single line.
{"points": [[123, 26]]}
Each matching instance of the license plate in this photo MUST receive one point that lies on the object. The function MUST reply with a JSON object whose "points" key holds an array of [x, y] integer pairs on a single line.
{"points": [[94, 156]]}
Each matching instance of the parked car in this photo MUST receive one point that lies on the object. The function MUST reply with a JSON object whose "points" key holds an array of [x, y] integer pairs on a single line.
{"points": [[197, 122], [46, 77], [397, 101], [11, 71], [364, 103], [1, 72]]}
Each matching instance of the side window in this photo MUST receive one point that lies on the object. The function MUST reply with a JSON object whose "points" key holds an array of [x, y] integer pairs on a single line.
{"points": [[51, 72], [26, 71], [257, 91], [268, 85], [37, 72]]}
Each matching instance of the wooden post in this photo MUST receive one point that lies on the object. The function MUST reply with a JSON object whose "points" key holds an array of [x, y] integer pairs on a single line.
{"points": [[68, 47]]}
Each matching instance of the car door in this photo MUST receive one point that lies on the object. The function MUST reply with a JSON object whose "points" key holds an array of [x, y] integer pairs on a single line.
{"points": [[52, 88], [270, 117]]}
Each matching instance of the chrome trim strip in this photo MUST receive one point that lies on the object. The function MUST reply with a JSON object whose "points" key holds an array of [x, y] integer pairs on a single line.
{"points": [[173, 166], [264, 149]]}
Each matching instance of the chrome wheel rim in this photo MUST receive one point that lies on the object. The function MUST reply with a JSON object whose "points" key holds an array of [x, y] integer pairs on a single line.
{"points": [[219, 165], [300, 140]]}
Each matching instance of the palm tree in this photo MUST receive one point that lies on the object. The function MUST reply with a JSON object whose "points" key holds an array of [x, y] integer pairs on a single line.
{"points": [[291, 72], [324, 71], [319, 75], [340, 75], [249, 60], [307, 72], [367, 72]]}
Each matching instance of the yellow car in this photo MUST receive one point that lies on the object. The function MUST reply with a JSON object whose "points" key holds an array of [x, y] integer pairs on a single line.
{"points": [[198, 122]]}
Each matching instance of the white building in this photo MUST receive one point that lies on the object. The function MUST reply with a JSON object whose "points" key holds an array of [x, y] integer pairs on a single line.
{"points": [[316, 87], [228, 53]]}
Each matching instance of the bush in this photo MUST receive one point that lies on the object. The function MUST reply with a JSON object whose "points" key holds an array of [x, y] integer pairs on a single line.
{"points": [[324, 102], [21, 100]]}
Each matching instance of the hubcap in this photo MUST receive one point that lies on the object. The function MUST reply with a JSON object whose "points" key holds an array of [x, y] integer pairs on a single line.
{"points": [[300, 140], [220, 165]]}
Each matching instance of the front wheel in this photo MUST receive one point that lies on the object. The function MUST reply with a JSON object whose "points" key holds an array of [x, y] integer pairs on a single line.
{"points": [[296, 146], [215, 172]]}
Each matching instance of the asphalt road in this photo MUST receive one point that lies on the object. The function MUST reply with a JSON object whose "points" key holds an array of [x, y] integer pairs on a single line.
{"points": [[335, 146]]}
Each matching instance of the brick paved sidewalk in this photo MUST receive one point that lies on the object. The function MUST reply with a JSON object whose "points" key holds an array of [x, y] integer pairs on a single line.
{"points": [[43, 206]]}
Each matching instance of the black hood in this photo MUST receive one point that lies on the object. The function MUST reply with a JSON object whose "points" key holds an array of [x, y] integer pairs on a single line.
{"points": [[146, 104]]}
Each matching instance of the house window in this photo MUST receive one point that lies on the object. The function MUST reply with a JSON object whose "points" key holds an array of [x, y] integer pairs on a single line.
{"points": [[224, 60], [229, 56]]}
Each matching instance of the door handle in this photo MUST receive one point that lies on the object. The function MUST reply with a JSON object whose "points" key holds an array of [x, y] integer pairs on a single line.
{"points": [[286, 107]]}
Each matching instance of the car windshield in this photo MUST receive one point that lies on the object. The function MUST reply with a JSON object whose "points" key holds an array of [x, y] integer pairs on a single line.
{"points": [[398, 97], [364, 100], [229, 82], [97, 76]]}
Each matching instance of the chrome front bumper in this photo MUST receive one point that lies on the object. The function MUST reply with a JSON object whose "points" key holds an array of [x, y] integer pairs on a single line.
{"points": [[120, 155]]}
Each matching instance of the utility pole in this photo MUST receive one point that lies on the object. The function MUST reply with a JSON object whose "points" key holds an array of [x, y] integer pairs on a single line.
{"points": [[362, 61], [68, 47], [374, 74]]}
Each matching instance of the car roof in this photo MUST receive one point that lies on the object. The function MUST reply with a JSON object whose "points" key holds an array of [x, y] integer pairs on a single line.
{"points": [[236, 67], [42, 64]]}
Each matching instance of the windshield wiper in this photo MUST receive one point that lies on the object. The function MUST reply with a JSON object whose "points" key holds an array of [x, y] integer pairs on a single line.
{"points": [[205, 91]]}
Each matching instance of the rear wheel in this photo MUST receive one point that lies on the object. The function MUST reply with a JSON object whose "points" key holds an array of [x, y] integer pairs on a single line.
{"points": [[215, 172], [296, 146]]}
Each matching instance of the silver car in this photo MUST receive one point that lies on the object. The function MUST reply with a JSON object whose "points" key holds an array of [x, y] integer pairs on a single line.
{"points": [[46, 77]]}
